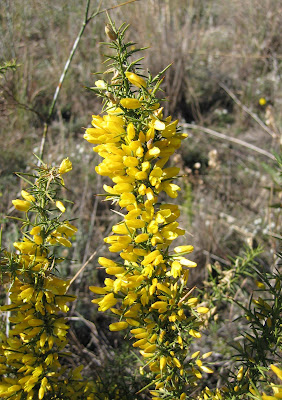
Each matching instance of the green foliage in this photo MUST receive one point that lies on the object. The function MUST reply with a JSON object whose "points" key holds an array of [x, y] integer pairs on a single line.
{"points": [[8, 66]]}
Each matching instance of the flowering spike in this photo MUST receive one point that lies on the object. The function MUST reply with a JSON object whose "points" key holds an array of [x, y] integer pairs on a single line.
{"points": [[31, 355], [149, 291]]}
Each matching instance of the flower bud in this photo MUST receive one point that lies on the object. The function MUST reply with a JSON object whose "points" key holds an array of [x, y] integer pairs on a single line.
{"points": [[110, 32], [65, 166], [130, 103], [135, 79], [27, 196], [118, 326], [21, 205], [60, 206]]}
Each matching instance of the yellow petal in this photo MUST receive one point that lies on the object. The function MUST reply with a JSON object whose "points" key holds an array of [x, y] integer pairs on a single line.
{"points": [[60, 206], [183, 249], [159, 125], [135, 79], [27, 196], [130, 103], [118, 326], [21, 205], [202, 310], [277, 371], [65, 166], [100, 84]]}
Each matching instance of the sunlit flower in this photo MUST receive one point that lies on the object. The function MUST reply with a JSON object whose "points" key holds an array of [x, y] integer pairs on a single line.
{"points": [[65, 166], [60, 206], [130, 103], [21, 205], [135, 79]]}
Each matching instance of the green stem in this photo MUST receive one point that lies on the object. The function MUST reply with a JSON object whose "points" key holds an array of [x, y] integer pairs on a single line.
{"points": [[62, 78], [86, 20]]}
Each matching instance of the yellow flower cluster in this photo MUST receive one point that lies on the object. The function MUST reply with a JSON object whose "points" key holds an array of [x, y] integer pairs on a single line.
{"points": [[30, 356], [148, 288], [277, 390], [208, 394]]}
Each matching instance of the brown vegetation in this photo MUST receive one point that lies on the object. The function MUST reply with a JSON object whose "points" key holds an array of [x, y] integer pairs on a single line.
{"points": [[227, 188]]}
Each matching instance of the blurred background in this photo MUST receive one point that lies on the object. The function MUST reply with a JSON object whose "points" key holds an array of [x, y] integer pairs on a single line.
{"points": [[224, 86]]}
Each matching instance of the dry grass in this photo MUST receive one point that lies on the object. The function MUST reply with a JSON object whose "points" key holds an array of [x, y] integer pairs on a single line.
{"points": [[224, 201]]}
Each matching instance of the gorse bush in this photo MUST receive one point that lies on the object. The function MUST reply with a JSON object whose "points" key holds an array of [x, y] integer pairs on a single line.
{"points": [[148, 291], [260, 342], [31, 354]]}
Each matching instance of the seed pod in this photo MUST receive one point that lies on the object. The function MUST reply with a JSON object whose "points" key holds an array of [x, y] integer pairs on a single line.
{"points": [[110, 32]]}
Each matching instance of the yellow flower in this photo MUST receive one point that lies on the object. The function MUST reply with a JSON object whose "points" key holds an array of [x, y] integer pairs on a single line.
{"points": [[21, 205], [162, 362], [65, 166], [67, 229], [205, 369], [135, 79], [148, 285], [183, 249], [115, 270], [194, 333], [60, 206], [176, 362], [240, 374], [130, 103], [118, 326], [277, 371], [107, 302], [202, 310], [176, 269], [192, 302], [27, 196], [26, 247], [100, 84], [143, 237], [159, 125], [35, 230], [98, 289], [262, 101]]}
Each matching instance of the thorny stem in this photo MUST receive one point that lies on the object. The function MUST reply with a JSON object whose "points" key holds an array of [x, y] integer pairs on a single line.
{"points": [[86, 20], [63, 75]]}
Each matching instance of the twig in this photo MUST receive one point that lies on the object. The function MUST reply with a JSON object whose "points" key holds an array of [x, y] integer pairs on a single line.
{"points": [[273, 234], [91, 226], [8, 315], [83, 266], [80, 348], [19, 104], [215, 257], [233, 55], [247, 110], [230, 139], [89, 259], [86, 20], [118, 5], [187, 294], [104, 349], [62, 77]]}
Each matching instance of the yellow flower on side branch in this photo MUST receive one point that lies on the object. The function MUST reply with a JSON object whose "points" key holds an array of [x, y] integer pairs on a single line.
{"points": [[31, 356]]}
